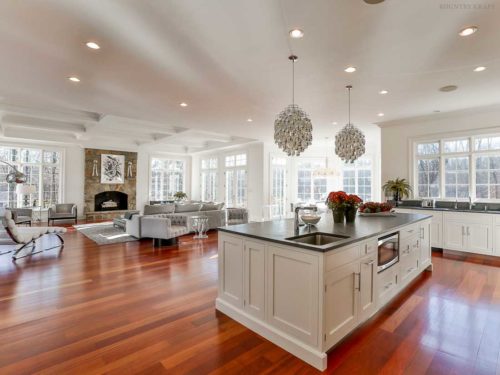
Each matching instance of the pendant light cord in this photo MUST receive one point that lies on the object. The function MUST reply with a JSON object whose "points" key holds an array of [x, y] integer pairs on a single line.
{"points": [[293, 81], [349, 102]]}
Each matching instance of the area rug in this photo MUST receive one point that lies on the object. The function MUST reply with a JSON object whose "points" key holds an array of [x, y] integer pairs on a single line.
{"points": [[104, 233]]}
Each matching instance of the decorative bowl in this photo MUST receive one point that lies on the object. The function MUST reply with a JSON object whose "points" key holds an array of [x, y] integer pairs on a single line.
{"points": [[310, 219]]}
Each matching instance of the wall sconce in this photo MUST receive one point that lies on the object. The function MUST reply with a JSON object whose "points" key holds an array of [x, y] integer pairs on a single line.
{"points": [[129, 170], [95, 172]]}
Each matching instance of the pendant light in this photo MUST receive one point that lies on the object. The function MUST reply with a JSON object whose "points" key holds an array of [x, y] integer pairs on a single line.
{"points": [[350, 141], [293, 128]]}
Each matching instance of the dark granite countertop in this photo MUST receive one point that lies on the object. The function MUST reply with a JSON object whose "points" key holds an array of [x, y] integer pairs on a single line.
{"points": [[363, 228], [474, 211]]}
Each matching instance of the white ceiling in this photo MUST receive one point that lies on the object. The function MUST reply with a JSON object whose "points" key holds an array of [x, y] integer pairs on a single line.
{"points": [[228, 60]]}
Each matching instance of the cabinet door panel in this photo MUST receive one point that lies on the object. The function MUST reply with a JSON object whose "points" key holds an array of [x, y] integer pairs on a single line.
{"points": [[479, 238], [436, 232], [293, 293], [454, 235], [255, 279], [231, 270], [425, 246], [368, 291], [341, 302]]}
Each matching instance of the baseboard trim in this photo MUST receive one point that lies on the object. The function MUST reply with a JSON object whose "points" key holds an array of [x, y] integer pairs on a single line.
{"points": [[306, 353]]}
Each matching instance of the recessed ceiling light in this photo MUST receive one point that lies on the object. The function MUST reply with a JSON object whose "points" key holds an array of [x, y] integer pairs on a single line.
{"points": [[350, 69], [183, 104], [296, 33], [383, 92], [448, 88], [334, 123], [380, 114], [249, 120], [74, 79], [92, 45], [479, 68], [468, 31]]}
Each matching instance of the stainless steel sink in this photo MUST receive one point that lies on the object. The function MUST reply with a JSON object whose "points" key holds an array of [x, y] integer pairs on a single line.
{"points": [[317, 239]]}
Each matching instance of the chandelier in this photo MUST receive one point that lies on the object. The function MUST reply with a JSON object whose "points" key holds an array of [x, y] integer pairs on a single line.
{"points": [[293, 128], [350, 141]]}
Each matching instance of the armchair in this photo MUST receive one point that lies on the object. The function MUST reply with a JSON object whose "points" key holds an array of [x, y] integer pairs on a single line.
{"points": [[64, 211], [164, 229], [22, 215]]}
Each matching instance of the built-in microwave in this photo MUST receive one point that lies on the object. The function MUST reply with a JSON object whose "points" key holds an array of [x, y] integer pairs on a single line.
{"points": [[388, 251]]}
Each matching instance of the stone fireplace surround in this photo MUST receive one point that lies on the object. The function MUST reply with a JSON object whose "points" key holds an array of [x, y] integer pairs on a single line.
{"points": [[93, 185]]}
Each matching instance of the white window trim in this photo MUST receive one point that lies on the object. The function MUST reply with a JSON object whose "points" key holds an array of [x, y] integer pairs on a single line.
{"points": [[287, 179], [441, 138], [44, 147], [372, 175], [209, 169], [187, 171], [225, 168], [296, 175]]}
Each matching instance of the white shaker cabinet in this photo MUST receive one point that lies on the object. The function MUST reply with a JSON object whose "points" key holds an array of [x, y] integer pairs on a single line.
{"points": [[469, 232], [255, 279]]}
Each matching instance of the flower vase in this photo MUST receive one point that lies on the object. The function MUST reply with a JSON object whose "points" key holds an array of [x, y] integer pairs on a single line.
{"points": [[338, 215], [350, 214]]}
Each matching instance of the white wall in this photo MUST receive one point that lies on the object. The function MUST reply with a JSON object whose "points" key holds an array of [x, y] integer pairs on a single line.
{"points": [[398, 136]]}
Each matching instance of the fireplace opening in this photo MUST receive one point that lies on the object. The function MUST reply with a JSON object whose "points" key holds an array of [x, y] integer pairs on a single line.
{"points": [[110, 201]]}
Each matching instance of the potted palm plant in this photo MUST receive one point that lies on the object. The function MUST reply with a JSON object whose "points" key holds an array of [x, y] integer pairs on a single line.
{"points": [[398, 188], [180, 196]]}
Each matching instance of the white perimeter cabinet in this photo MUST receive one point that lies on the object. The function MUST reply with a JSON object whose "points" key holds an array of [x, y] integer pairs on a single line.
{"points": [[306, 301], [464, 231]]}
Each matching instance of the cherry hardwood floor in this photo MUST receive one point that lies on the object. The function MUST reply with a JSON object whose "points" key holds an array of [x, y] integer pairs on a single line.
{"points": [[132, 309]]}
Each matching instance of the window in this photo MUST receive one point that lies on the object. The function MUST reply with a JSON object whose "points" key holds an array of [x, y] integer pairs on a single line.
{"points": [[209, 180], [278, 186], [456, 177], [236, 180], [167, 178], [357, 178], [458, 168], [311, 187], [488, 177], [42, 169]]}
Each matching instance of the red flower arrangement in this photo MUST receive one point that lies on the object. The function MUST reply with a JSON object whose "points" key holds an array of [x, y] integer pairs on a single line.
{"points": [[342, 200], [374, 207], [337, 199]]}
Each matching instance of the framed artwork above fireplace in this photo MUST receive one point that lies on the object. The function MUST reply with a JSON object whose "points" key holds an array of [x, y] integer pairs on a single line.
{"points": [[112, 169]]}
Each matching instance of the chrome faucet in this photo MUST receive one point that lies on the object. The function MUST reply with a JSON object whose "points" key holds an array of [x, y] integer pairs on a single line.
{"points": [[456, 204], [471, 205], [296, 219]]}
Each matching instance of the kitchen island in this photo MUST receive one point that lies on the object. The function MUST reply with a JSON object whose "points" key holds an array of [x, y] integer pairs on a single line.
{"points": [[306, 289]]}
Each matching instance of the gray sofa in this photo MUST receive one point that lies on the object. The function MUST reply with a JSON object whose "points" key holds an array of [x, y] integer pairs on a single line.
{"points": [[214, 211], [140, 226]]}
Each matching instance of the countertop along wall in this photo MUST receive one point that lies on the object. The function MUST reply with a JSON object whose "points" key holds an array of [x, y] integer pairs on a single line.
{"points": [[397, 136]]}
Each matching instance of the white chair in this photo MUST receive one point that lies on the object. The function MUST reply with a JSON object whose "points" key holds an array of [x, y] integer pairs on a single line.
{"points": [[26, 236]]}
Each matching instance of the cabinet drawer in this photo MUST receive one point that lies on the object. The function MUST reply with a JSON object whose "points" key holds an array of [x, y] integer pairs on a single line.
{"points": [[409, 231], [369, 247], [342, 256], [388, 284], [408, 246], [409, 267]]}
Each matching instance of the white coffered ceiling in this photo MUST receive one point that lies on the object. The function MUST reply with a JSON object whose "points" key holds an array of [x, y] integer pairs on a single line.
{"points": [[228, 60]]}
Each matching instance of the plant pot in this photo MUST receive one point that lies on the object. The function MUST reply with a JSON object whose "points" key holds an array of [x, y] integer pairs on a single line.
{"points": [[350, 214], [396, 198], [338, 215]]}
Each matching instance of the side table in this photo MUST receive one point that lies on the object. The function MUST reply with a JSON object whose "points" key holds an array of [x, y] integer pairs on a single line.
{"points": [[199, 224]]}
